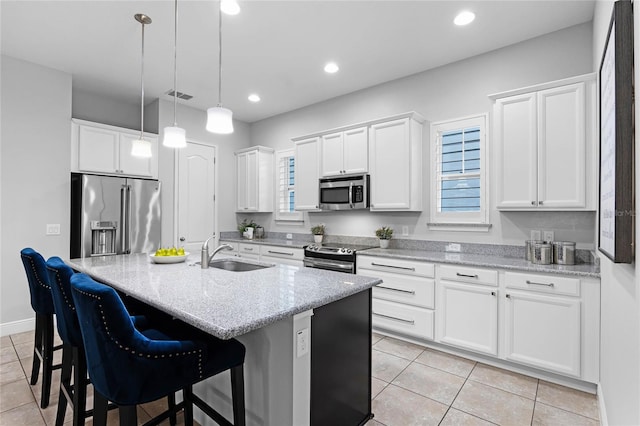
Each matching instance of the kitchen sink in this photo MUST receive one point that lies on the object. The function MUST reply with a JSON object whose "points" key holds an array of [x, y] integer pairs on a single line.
{"points": [[235, 265]]}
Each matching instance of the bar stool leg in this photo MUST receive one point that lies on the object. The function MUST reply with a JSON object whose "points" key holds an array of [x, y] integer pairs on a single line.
{"points": [[171, 401], [47, 359], [79, 386], [128, 415], [237, 395], [100, 406], [187, 397], [65, 383], [37, 350]]}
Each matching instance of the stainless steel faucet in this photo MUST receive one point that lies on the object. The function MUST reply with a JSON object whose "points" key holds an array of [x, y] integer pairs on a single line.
{"points": [[204, 253]]}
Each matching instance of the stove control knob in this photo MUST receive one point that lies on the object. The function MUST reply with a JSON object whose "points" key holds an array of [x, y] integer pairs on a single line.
{"points": [[349, 251]]}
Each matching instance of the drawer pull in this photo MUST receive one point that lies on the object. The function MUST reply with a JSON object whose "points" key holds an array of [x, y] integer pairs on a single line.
{"points": [[493, 293], [248, 248], [508, 296], [392, 266], [280, 252], [397, 289], [466, 275], [394, 318], [544, 284]]}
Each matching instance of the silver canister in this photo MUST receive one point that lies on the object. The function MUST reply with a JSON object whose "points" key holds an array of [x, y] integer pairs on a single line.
{"points": [[528, 248], [542, 253], [564, 252]]}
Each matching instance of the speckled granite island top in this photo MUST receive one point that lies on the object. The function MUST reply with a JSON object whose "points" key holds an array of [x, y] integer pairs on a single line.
{"points": [[268, 241], [223, 303], [485, 261]]}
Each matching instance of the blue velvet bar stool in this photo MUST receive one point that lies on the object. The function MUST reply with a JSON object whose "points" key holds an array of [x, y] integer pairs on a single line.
{"points": [[129, 367], [42, 304]]}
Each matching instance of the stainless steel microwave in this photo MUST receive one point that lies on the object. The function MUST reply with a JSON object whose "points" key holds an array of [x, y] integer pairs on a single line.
{"points": [[344, 193]]}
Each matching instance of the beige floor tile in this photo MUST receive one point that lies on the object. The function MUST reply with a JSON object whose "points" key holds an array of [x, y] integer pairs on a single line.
{"points": [[399, 348], [387, 367], [27, 365], [8, 354], [493, 404], [15, 394], [544, 414], [458, 418], [24, 415], [25, 337], [113, 419], [399, 407], [376, 386], [24, 350], [446, 362], [375, 337], [5, 341], [49, 414], [430, 382], [156, 407], [55, 387], [10, 372], [506, 380], [374, 422], [568, 399]]}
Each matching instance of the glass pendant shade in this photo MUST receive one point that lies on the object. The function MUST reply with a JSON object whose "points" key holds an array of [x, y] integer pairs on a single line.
{"points": [[220, 120], [174, 137], [141, 148]]}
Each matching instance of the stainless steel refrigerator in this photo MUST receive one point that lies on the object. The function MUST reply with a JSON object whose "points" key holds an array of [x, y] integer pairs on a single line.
{"points": [[112, 215]]}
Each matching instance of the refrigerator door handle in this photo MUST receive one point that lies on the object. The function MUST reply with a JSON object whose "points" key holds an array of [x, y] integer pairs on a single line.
{"points": [[128, 229], [124, 232]]}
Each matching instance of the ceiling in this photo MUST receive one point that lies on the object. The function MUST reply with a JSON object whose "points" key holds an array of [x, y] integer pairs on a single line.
{"points": [[274, 48]]}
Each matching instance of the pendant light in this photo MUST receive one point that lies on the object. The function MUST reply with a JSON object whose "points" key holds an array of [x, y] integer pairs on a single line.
{"points": [[142, 147], [174, 136], [219, 119]]}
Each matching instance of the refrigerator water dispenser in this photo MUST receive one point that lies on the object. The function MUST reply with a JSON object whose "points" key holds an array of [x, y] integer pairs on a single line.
{"points": [[103, 238]]}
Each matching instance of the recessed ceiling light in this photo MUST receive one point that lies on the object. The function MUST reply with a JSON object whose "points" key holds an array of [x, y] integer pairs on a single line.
{"points": [[254, 98], [230, 7], [331, 68], [464, 18]]}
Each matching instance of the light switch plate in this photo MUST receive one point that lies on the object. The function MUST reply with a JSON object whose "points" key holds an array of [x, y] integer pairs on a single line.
{"points": [[302, 342], [405, 230], [535, 235], [289, 236], [53, 229], [547, 236], [453, 247]]}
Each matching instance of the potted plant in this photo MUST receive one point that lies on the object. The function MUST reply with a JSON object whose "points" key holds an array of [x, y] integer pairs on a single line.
{"points": [[384, 234], [318, 232], [246, 228]]}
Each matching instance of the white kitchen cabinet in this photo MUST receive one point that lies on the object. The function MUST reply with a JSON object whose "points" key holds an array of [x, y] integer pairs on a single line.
{"points": [[395, 163], [544, 146], [307, 174], [254, 173], [104, 149], [278, 254], [345, 152], [249, 251]]}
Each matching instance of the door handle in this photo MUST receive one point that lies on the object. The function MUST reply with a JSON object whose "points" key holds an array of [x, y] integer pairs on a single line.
{"points": [[183, 239]]}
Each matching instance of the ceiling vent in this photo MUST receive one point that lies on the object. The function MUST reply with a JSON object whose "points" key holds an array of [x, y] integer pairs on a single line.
{"points": [[180, 95]]}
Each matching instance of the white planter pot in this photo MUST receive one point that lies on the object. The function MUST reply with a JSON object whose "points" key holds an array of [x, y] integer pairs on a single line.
{"points": [[318, 238], [384, 243]]}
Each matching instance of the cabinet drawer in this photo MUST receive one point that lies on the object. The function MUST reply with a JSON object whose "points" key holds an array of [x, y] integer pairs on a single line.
{"points": [[416, 291], [543, 283], [399, 266], [469, 275], [409, 320], [244, 248], [282, 252]]}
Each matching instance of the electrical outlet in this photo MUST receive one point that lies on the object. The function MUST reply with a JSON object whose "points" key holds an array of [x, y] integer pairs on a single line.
{"points": [[453, 247], [547, 236], [302, 342], [405, 230], [53, 229], [535, 235], [289, 236]]}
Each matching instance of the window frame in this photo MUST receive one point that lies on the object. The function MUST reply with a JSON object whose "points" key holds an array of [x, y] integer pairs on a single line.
{"points": [[459, 221], [294, 216]]}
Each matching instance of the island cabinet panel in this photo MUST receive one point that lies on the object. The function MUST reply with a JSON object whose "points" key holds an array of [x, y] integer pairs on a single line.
{"points": [[104, 149], [307, 174]]}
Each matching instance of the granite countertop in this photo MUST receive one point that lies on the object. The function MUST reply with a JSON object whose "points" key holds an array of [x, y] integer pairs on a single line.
{"points": [[225, 304], [486, 261], [269, 241]]}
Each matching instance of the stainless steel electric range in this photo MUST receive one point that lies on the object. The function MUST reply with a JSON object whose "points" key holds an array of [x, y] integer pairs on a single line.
{"points": [[333, 256]]}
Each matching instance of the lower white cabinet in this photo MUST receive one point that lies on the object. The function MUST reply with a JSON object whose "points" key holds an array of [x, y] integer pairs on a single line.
{"points": [[250, 251], [278, 254], [468, 316], [402, 318]]}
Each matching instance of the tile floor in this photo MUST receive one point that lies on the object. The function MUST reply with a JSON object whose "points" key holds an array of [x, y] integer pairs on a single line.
{"points": [[411, 386]]}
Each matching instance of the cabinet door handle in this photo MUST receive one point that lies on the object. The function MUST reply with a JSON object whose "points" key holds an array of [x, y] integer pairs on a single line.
{"points": [[466, 275], [394, 318], [533, 203], [540, 202], [544, 284], [280, 252], [183, 239], [508, 296], [397, 289], [394, 267]]}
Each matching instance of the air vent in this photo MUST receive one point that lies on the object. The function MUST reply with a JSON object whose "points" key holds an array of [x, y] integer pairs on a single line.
{"points": [[180, 95]]}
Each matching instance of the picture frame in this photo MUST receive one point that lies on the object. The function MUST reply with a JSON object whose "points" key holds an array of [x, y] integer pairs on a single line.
{"points": [[616, 219]]}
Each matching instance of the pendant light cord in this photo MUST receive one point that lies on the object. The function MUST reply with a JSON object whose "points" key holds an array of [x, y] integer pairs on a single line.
{"points": [[219, 56], [175, 65], [142, 86]]}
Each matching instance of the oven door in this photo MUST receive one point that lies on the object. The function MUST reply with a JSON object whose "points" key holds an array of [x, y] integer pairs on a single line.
{"points": [[329, 264]]}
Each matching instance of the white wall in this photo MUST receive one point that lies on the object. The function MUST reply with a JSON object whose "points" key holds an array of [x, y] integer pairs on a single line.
{"points": [[620, 298], [35, 155], [100, 109], [454, 90]]}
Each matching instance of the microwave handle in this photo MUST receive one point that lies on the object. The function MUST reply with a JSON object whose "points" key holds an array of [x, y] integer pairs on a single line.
{"points": [[351, 194]]}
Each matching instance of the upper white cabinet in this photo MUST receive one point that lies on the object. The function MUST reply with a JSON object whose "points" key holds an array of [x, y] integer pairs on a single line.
{"points": [[395, 163], [307, 173], [345, 152], [254, 172], [544, 146], [100, 148]]}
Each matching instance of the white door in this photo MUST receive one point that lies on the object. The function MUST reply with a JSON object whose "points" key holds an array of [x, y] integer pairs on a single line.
{"points": [[543, 331], [332, 158], [307, 173], [468, 316], [196, 195], [356, 151]]}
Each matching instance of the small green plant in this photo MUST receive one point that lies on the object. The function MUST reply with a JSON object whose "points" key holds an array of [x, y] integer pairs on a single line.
{"points": [[384, 233], [246, 223], [318, 229]]}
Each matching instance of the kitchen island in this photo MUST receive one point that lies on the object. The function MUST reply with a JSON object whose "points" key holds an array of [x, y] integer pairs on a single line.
{"points": [[303, 328]]}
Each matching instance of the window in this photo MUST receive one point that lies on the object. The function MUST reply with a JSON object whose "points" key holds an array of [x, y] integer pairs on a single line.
{"points": [[285, 185], [458, 182]]}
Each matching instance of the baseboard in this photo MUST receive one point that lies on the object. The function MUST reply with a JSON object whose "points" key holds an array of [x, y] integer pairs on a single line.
{"points": [[15, 327], [602, 408]]}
